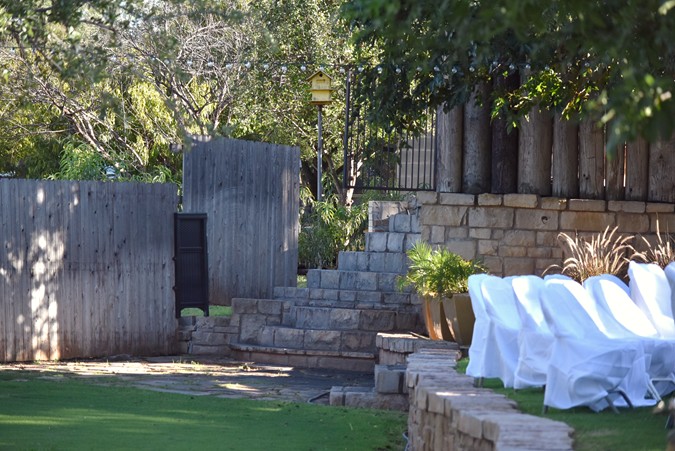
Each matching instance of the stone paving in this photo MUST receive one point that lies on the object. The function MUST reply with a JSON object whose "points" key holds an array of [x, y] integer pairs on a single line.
{"points": [[202, 376]]}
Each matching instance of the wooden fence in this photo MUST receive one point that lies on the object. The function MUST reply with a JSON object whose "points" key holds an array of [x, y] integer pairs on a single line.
{"points": [[250, 192], [85, 269], [549, 156]]}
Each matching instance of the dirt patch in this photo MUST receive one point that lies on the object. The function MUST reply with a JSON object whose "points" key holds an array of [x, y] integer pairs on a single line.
{"points": [[202, 376]]}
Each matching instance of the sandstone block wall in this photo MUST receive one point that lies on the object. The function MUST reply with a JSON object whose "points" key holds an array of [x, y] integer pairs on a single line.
{"points": [[518, 233]]}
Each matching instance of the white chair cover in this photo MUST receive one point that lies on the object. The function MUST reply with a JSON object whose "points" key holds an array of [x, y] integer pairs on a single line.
{"points": [[479, 366], [586, 368], [500, 303], [650, 290], [535, 339], [669, 270], [611, 296]]}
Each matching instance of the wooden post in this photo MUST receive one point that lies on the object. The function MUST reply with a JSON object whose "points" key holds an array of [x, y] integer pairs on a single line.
{"points": [[504, 144], [591, 160], [662, 171], [534, 153], [450, 130], [637, 169], [565, 157], [614, 173], [477, 142]]}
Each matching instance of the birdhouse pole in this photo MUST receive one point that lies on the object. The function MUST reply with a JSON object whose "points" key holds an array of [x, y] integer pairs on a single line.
{"points": [[320, 88]]}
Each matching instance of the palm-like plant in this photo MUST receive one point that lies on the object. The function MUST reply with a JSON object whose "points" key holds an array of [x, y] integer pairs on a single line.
{"points": [[437, 273], [605, 253]]}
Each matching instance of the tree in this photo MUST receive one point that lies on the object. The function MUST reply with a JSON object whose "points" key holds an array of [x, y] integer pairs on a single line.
{"points": [[610, 59]]}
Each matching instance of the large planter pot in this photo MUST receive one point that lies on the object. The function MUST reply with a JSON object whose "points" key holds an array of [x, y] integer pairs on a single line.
{"points": [[435, 319], [460, 318]]}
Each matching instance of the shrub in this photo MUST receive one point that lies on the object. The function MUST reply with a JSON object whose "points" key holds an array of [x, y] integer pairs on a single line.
{"points": [[661, 252], [605, 253]]}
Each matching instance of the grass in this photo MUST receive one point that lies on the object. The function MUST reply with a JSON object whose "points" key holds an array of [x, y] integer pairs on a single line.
{"points": [[631, 429], [214, 310], [302, 281], [55, 413]]}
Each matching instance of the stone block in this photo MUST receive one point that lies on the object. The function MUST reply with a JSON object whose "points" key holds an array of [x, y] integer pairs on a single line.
{"points": [[665, 222], [367, 281], [337, 396], [426, 197], [456, 232], [437, 234], [409, 321], [313, 278], [377, 320], [491, 217], [465, 248], [415, 225], [330, 279], [250, 328], [586, 221], [512, 251], [515, 266], [481, 234], [632, 223], [289, 338], [348, 280], [539, 252], [357, 341], [395, 263], [488, 247], [654, 207], [490, 200], [240, 305], [457, 199], [396, 298], [376, 241], [626, 206], [400, 223], [553, 203], [519, 238], [443, 215], [343, 319], [322, 339], [547, 239], [411, 239], [389, 379], [395, 242], [536, 219], [347, 296], [362, 261], [587, 205], [494, 265], [470, 424], [521, 200], [269, 306], [376, 262], [369, 297], [348, 261], [384, 281], [312, 317]]}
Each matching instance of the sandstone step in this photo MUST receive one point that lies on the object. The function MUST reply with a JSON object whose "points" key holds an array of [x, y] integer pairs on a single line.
{"points": [[367, 398], [390, 241], [336, 279], [365, 319], [393, 262], [304, 358], [353, 298]]}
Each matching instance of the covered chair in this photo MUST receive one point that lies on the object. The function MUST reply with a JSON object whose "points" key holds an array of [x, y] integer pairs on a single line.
{"points": [[500, 304], [481, 360], [535, 339], [587, 368], [650, 290], [624, 319]]}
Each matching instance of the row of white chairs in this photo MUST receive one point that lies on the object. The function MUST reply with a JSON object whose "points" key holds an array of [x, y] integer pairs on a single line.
{"points": [[600, 344]]}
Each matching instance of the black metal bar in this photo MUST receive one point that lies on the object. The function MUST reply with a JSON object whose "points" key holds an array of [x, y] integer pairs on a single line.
{"points": [[345, 140]]}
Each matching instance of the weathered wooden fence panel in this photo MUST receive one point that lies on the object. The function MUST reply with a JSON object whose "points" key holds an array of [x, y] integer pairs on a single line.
{"points": [[250, 192], [85, 269]]}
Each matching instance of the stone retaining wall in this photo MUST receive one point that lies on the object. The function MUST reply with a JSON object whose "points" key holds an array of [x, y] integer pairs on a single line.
{"points": [[205, 335], [448, 413], [518, 233]]}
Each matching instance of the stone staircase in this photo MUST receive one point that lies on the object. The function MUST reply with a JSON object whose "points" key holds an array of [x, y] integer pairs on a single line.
{"points": [[333, 323]]}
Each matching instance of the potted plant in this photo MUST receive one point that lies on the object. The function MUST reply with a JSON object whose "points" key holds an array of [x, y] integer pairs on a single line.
{"points": [[441, 278]]}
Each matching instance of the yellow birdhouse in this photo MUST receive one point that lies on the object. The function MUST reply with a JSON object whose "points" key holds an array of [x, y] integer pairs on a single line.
{"points": [[320, 87]]}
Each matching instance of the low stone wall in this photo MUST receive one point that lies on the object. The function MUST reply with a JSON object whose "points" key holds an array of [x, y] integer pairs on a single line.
{"points": [[518, 233], [448, 413], [205, 335]]}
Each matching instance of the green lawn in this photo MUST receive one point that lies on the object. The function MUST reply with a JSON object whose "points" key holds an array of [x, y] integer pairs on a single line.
{"points": [[214, 310], [630, 430], [59, 414]]}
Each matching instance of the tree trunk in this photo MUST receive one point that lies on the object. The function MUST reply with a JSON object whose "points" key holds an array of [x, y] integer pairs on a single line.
{"points": [[637, 170], [477, 142], [449, 132], [591, 160], [504, 145], [565, 168]]}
